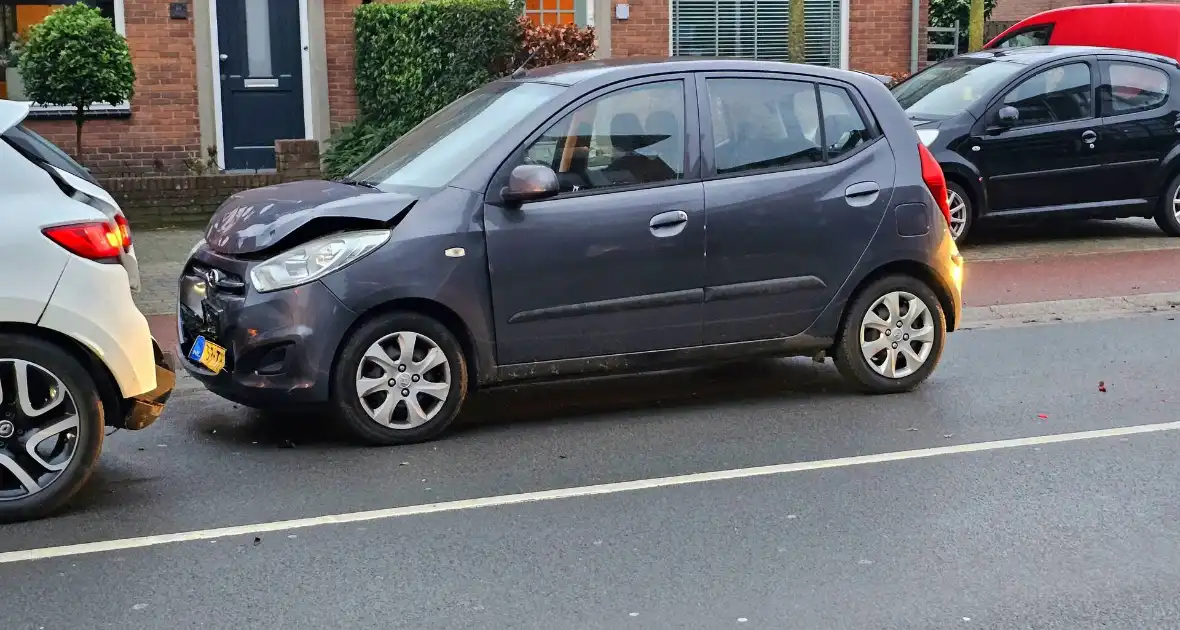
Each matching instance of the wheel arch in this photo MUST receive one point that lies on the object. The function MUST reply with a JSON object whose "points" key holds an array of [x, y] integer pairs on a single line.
{"points": [[910, 268], [430, 308], [104, 380]]}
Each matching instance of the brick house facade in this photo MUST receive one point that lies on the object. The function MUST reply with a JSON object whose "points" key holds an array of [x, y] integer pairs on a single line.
{"points": [[185, 105], [1016, 10]]}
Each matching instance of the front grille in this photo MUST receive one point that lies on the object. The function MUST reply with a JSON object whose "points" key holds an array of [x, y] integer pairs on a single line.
{"points": [[205, 294]]}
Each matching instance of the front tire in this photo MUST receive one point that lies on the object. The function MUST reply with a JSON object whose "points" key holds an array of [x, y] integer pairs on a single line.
{"points": [[1167, 215], [962, 212], [51, 428], [401, 379], [892, 337]]}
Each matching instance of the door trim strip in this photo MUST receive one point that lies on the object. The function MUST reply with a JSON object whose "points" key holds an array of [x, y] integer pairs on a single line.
{"points": [[762, 288], [615, 305]]}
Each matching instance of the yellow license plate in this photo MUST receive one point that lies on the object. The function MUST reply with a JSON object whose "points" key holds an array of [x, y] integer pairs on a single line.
{"points": [[208, 354]]}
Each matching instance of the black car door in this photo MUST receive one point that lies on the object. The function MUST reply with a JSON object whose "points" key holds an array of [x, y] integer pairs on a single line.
{"points": [[1139, 128], [796, 185], [615, 262], [1047, 158]]}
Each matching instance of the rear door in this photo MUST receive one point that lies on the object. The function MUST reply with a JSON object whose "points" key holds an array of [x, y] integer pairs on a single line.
{"points": [[614, 264], [1048, 159], [1140, 125], [796, 184]]}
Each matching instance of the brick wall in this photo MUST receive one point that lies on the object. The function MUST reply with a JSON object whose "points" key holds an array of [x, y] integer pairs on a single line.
{"points": [[189, 200], [163, 129], [1016, 10], [339, 31], [644, 33], [879, 35]]}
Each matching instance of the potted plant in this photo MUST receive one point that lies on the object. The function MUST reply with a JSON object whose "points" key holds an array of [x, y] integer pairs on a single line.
{"points": [[9, 60]]}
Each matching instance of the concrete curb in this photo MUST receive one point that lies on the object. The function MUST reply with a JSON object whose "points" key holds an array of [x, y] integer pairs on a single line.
{"points": [[1065, 311]]}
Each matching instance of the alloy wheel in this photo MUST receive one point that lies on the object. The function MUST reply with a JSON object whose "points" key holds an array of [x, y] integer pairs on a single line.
{"points": [[958, 207], [403, 380], [38, 429], [1176, 204], [897, 334]]}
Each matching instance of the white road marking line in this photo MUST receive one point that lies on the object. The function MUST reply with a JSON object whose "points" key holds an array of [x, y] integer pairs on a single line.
{"points": [[568, 493]]}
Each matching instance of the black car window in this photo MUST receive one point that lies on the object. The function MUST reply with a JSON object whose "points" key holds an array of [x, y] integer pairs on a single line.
{"points": [[844, 129], [764, 123], [1132, 87], [1036, 36], [1059, 94], [629, 137]]}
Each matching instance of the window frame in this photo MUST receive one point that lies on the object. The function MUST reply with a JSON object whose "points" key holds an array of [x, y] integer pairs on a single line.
{"points": [[692, 170], [38, 111], [1045, 26], [1104, 81], [708, 145], [997, 102]]}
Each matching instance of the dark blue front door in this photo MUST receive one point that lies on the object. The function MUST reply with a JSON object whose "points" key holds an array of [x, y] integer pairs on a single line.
{"points": [[261, 79]]}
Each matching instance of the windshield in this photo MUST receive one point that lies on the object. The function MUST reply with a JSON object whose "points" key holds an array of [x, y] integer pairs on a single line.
{"points": [[439, 148], [950, 87], [36, 148]]}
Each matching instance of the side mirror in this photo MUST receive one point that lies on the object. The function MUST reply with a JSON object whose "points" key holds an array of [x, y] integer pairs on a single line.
{"points": [[529, 182], [1008, 116]]}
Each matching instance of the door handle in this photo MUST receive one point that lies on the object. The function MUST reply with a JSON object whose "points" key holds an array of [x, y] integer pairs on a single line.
{"points": [[223, 56], [1089, 137], [668, 219], [862, 194]]}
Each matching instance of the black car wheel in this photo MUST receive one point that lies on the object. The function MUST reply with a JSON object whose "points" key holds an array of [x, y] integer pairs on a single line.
{"points": [[1167, 215], [962, 214], [51, 428], [892, 337], [401, 379]]}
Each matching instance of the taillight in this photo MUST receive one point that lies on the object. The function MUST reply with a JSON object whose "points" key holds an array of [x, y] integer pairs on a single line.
{"points": [[96, 241], [124, 231], [935, 180]]}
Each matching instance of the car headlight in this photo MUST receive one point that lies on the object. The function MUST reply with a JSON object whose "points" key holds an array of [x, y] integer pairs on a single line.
{"points": [[927, 135], [315, 259]]}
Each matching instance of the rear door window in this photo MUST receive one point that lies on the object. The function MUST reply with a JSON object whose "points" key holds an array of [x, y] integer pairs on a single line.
{"points": [[844, 128], [1130, 87], [764, 124]]}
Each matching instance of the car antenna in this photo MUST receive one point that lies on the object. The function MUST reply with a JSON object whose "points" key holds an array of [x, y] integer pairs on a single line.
{"points": [[520, 72]]}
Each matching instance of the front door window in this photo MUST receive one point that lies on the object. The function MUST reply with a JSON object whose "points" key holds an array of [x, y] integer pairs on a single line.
{"points": [[1059, 94]]}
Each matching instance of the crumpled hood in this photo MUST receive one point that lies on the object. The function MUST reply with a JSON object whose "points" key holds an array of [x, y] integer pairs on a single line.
{"points": [[254, 220]]}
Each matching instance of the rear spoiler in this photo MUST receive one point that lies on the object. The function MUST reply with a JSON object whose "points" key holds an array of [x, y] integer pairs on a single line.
{"points": [[883, 78]]}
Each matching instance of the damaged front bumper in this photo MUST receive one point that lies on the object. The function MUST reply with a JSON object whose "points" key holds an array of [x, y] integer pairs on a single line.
{"points": [[141, 412]]}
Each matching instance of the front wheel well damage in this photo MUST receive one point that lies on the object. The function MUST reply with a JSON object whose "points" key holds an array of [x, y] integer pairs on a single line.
{"points": [[113, 405], [429, 308], [906, 268]]}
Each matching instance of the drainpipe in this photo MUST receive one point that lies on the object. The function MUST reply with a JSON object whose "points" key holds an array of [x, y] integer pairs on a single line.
{"points": [[915, 10]]}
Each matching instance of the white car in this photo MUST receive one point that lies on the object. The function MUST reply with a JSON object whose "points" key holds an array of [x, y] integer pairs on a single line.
{"points": [[76, 354]]}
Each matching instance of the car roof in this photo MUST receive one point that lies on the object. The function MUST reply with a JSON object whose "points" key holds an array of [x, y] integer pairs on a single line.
{"points": [[1036, 54], [621, 68]]}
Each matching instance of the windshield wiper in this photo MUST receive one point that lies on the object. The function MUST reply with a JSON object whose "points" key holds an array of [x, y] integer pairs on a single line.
{"points": [[354, 182]]}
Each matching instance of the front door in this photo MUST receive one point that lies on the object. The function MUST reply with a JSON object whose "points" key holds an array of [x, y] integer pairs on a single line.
{"points": [[261, 68], [792, 201], [614, 263], [1048, 159]]}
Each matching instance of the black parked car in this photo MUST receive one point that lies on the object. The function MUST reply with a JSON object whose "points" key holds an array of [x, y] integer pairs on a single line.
{"points": [[1052, 130], [554, 224]]}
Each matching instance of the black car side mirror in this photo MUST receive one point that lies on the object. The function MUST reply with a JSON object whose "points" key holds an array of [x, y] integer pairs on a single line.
{"points": [[530, 182], [1008, 116]]}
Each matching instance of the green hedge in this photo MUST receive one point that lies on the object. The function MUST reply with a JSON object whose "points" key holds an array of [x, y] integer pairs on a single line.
{"points": [[414, 58]]}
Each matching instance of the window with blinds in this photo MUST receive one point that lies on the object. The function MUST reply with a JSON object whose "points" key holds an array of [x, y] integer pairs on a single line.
{"points": [[754, 28]]}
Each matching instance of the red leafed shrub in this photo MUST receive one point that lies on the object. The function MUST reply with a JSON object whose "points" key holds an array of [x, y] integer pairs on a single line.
{"points": [[549, 44], [897, 77]]}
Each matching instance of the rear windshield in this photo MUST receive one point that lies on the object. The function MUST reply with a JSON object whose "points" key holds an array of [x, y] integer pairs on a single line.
{"points": [[40, 150], [949, 88]]}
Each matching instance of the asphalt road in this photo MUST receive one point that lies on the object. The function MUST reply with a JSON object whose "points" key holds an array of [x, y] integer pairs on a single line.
{"points": [[1074, 534]]}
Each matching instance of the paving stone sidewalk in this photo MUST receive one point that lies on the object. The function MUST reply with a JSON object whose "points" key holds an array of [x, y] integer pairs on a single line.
{"points": [[162, 252]]}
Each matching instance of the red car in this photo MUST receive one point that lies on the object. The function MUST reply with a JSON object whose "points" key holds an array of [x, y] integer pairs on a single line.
{"points": [[1150, 28]]}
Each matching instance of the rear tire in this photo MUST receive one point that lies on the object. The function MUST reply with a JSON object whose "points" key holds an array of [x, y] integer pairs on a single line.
{"points": [[877, 355], [402, 363], [1167, 214], [58, 475]]}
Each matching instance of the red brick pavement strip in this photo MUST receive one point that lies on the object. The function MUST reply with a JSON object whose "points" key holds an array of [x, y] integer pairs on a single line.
{"points": [[1013, 281]]}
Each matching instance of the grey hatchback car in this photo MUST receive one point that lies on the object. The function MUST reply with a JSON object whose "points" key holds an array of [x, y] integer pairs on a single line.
{"points": [[625, 215]]}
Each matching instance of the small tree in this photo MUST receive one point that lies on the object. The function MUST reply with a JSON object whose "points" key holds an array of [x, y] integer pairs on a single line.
{"points": [[76, 59], [797, 33]]}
